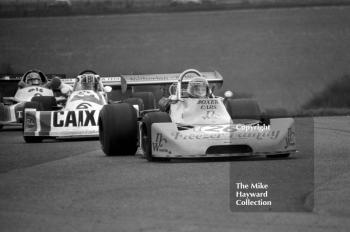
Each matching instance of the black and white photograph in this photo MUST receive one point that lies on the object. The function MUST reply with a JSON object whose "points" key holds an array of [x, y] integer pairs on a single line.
{"points": [[174, 115]]}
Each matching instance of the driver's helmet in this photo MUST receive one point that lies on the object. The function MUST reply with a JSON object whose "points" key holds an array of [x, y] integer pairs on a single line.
{"points": [[33, 78], [198, 87], [89, 82]]}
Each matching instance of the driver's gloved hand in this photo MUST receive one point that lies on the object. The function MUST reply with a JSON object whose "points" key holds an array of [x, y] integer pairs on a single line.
{"points": [[164, 104]]}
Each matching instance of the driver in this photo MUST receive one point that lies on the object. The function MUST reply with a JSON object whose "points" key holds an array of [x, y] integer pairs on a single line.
{"points": [[89, 82], [33, 78], [198, 87]]}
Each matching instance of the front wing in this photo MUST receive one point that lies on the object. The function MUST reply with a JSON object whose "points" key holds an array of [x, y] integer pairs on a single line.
{"points": [[61, 124], [223, 140]]}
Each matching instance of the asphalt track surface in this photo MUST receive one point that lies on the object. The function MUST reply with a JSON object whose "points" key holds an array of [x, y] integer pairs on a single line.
{"points": [[72, 186]]}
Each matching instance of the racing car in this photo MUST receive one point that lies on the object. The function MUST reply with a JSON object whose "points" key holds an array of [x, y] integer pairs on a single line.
{"points": [[76, 116], [191, 126], [31, 85]]}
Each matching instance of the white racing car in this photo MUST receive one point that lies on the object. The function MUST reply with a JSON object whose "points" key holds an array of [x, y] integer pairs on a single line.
{"points": [[76, 117], [193, 125], [31, 85]]}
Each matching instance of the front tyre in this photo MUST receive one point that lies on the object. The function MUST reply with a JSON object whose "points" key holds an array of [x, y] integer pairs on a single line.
{"points": [[47, 103], [33, 139], [149, 101], [118, 129]]}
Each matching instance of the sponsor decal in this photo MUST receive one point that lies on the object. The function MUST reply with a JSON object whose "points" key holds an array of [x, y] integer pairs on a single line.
{"points": [[19, 111], [210, 115], [225, 132], [157, 145], [290, 138], [74, 118], [216, 128], [88, 96], [37, 89], [208, 104], [84, 106], [30, 120]]}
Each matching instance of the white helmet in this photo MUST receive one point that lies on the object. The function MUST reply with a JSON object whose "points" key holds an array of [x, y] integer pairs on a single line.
{"points": [[33, 78], [89, 82], [198, 87]]}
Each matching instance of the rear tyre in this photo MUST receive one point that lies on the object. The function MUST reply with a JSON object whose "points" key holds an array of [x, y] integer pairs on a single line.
{"points": [[135, 101], [149, 101], [33, 139], [243, 109], [48, 103], [276, 113], [146, 135], [118, 129]]}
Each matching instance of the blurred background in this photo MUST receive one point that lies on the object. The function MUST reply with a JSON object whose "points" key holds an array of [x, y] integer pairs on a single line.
{"points": [[289, 54]]}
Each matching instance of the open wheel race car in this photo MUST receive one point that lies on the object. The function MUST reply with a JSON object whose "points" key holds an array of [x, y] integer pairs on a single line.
{"points": [[12, 108], [189, 127], [74, 116]]}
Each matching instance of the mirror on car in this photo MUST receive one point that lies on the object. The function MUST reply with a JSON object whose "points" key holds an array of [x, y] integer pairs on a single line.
{"points": [[107, 89], [228, 94]]}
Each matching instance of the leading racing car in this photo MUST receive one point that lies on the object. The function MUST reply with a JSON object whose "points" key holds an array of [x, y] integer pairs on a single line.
{"points": [[193, 122]]}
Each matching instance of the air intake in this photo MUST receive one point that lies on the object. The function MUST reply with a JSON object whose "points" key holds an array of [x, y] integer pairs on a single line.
{"points": [[227, 149]]}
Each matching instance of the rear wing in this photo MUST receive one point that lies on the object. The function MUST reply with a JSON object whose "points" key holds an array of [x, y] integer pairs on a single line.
{"points": [[5, 78], [169, 78], [152, 79]]}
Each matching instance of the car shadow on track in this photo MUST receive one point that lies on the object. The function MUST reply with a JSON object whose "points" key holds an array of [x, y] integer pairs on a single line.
{"points": [[223, 159]]}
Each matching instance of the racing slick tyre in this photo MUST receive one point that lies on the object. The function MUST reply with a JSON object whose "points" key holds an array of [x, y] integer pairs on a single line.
{"points": [[48, 103], [135, 101], [33, 139], [146, 136], [286, 155], [37, 106], [118, 129], [243, 109], [149, 101]]}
